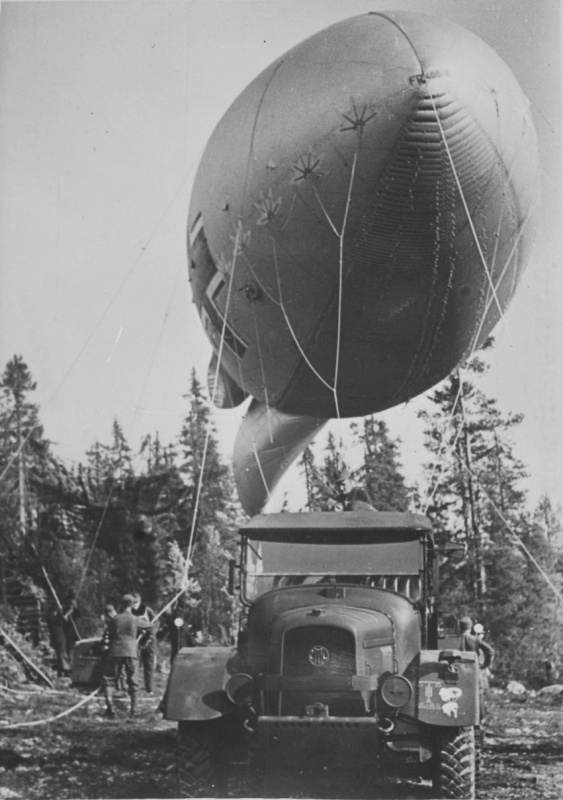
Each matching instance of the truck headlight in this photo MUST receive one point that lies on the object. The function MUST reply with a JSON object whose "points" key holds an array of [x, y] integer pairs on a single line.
{"points": [[239, 688], [396, 691]]}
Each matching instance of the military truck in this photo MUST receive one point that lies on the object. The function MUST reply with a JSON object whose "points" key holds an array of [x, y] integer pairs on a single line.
{"points": [[338, 659]]}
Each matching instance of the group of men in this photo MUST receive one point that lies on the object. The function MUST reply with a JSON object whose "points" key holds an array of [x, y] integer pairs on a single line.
{"points": [[131, 637]]}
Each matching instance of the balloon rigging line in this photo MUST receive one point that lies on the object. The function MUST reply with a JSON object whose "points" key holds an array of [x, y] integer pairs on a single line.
{"points": [[263, 374], [101, 318], [257, 457], [236, 251], [474, 347], [510, 529], [440, 454], [519, 235], [289, 213], [116, 342], [255, 125], [506, 184], [156, 348], [51, 719], [340, 282], [489, 498], [292, 332], [258, 280], [488, 302], [325, 212], [135, 413], [549, 180], [463, 200], [516, 362]]}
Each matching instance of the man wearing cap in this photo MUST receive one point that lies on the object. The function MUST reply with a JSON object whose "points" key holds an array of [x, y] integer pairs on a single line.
{"points": [[122, 654], [348, 496], [469, 641]]}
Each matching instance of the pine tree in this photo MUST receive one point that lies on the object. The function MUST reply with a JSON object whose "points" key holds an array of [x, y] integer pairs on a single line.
{"points": [[549, 522], [317, 481], [209, 518], [477, 499], [132, 513], [201, 466], [41, 544], [22, 447], [380, 471]]}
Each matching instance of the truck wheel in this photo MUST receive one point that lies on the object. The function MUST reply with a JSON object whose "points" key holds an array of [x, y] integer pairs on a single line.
{"points": [[197, 773], [479, 746], [454, 763]]}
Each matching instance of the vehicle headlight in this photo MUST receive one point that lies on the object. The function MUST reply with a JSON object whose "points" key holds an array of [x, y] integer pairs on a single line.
{"points": [[239, 688], [396, 691]]}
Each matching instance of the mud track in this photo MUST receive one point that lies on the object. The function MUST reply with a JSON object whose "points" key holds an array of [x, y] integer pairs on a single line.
{"points": [[87, 756]]}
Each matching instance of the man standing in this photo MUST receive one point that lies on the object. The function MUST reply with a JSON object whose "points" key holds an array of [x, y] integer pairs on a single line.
{"points": [[475, 643], [122, 654], [176, 626], [63, 632], [147, 640]]}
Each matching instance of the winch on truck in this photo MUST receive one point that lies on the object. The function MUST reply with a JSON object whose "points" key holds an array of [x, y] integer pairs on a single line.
{"points": [[338, 658]]}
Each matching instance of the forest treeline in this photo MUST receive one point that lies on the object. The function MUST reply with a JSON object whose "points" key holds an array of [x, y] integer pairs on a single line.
{"points": [[126, 519]]}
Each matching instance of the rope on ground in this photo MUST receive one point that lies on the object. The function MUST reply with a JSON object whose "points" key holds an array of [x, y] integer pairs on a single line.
{"points": [[68, 711], [35, 691]]}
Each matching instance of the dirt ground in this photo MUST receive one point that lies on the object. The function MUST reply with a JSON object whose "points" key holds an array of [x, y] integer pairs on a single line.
{"points": [[85, 755]]}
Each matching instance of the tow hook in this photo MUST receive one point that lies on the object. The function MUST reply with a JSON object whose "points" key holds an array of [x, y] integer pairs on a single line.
{"points": [[386, 726], [249, 724]]}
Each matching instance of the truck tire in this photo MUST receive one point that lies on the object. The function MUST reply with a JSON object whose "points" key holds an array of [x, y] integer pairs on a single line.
{"points": [[197, 769], [454, 764]]}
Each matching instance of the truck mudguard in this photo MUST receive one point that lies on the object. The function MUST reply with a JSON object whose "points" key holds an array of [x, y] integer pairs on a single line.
{"points": [[446, 688], [195, 689]]}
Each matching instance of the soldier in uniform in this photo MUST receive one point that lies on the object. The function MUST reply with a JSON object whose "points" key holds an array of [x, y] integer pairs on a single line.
{"points": [[485, 655], [63, 633], [122, 634], [147, 641]]}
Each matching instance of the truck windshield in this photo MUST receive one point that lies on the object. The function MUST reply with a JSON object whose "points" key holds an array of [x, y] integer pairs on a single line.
{"points": [[271, 565]]}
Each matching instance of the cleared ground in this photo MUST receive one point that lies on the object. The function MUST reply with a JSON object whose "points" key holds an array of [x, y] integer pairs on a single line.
{"points": [[85, 755]]}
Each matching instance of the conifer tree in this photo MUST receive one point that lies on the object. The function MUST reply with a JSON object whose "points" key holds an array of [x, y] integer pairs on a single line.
{"points": [[40, 542], [22, 448], [317, 492], [477, 499], [380, 470], [132, 513], [208, 520]]}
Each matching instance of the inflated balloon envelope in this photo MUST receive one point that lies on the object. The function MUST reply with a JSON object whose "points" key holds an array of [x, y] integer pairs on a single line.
{"points": [[359, 222]]}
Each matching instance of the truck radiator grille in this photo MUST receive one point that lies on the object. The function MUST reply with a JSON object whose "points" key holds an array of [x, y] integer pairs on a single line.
{"points": [[318, 650]]}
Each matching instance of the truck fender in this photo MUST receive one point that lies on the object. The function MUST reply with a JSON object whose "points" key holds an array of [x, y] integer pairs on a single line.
{"points": [[195, 689], [446, 688]]}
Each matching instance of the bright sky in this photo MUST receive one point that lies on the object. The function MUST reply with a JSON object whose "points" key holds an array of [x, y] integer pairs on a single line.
{"points": [[105, 108]]}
